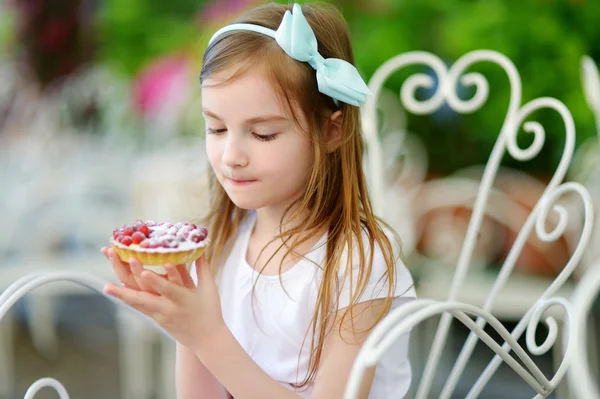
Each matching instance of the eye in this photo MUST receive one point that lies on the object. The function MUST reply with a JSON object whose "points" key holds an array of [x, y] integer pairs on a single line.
{"points": [[215, 131], [265, 137]]}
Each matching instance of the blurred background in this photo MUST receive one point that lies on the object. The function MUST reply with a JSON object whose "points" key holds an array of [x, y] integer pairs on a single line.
{"points": [[100, 124]]}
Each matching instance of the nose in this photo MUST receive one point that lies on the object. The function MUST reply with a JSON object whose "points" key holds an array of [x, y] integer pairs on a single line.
{"points": [[233, 153]]}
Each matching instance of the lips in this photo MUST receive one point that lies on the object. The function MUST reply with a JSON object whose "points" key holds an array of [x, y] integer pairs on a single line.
{"points": [[240, 181]]}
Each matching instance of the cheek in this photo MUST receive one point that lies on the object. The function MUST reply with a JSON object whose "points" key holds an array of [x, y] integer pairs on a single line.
{"points": [[295, 161], [214, 151]]}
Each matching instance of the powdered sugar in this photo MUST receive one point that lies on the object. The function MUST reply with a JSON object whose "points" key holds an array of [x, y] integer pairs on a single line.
{"points": [[160, 237]]}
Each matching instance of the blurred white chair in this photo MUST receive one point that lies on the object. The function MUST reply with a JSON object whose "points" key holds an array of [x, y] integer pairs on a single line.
{"points": [[76, 202], [66, 186], [162, 187], [464, 291], [586, 161]]}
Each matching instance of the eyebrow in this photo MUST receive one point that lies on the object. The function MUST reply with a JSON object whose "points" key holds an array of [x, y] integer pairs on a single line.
{"points": [[257, 119]]}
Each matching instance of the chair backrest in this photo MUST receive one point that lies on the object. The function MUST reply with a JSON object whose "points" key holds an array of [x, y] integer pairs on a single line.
{"points": [[585, 386], [586, 160], [402, 319]]}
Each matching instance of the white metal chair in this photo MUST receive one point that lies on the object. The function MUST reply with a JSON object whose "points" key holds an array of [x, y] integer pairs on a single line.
{"points": [[404, 318], [585, 385]]}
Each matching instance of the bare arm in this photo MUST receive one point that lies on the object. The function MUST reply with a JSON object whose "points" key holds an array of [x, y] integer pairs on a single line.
{"points": [[340, 350], [228, 361], [194, 381]]}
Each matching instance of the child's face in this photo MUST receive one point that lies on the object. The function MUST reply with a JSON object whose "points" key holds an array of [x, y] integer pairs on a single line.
{"points": [[259, 163]]}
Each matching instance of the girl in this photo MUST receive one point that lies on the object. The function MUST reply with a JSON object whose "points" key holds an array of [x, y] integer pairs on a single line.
{"points": [[299, 270]]}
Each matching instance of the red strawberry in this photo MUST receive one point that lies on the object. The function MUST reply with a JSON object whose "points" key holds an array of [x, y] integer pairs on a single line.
{"points": [[138, 237], [127, 231], [145, 230], [196, 236], [126, 241]]}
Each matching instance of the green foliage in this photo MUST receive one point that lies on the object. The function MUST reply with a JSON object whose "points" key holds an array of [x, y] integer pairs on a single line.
{"points": [[7, 26], [544, 39], [134, 32]]}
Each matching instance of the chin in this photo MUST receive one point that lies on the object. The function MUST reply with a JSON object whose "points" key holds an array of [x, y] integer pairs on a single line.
{"points": [[244, 206], [246, 203]]}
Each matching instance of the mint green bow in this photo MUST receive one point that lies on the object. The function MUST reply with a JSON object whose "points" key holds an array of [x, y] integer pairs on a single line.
{"points": [[335, 77]]}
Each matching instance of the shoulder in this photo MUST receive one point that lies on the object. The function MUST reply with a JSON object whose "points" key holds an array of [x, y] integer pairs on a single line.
{"points": [[379, 268], [378, 250]]}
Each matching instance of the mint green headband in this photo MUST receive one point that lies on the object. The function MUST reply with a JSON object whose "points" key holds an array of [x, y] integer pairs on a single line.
{"points": [[335, 77]]}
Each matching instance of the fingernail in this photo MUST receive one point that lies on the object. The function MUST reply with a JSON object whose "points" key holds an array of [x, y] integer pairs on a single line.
{"points": [[107, 290]]}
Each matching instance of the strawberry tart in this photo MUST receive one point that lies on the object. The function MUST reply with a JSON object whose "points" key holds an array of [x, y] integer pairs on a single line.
{"points": [[157, 244]]}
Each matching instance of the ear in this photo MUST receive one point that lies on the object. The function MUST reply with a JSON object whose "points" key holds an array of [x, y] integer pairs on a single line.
{"points": [[334, 131]]}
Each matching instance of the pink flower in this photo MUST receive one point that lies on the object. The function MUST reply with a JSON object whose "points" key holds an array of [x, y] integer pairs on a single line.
{"points": [[163, 81]]}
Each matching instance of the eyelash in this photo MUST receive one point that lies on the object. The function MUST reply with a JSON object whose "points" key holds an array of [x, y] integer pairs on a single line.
{"points": [[266, 137]]}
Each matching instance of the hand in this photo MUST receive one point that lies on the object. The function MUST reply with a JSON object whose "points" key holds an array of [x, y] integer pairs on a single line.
{"points": [[123, 270], [186, 311]]}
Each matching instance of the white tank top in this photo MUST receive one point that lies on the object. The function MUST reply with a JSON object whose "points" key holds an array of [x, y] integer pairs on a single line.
{"points": [[271, 322]]}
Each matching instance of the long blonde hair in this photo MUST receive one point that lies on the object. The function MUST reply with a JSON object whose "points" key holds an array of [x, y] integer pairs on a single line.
{"points": [[336, 195]]}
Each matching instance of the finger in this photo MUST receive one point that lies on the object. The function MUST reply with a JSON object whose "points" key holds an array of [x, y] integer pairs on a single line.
{"points": [[161, 286], [142, 301], [122, 270], [137, 269], [180, 275], [174, 275], [113, 290], [184, 271], [104, 251]]}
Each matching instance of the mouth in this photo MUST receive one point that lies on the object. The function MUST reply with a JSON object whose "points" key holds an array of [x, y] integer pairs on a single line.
{"points": [[240, 182]]}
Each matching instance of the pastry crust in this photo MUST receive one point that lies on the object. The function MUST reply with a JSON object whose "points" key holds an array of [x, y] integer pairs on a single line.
{"points": [[158, 244], [154, 256]]}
